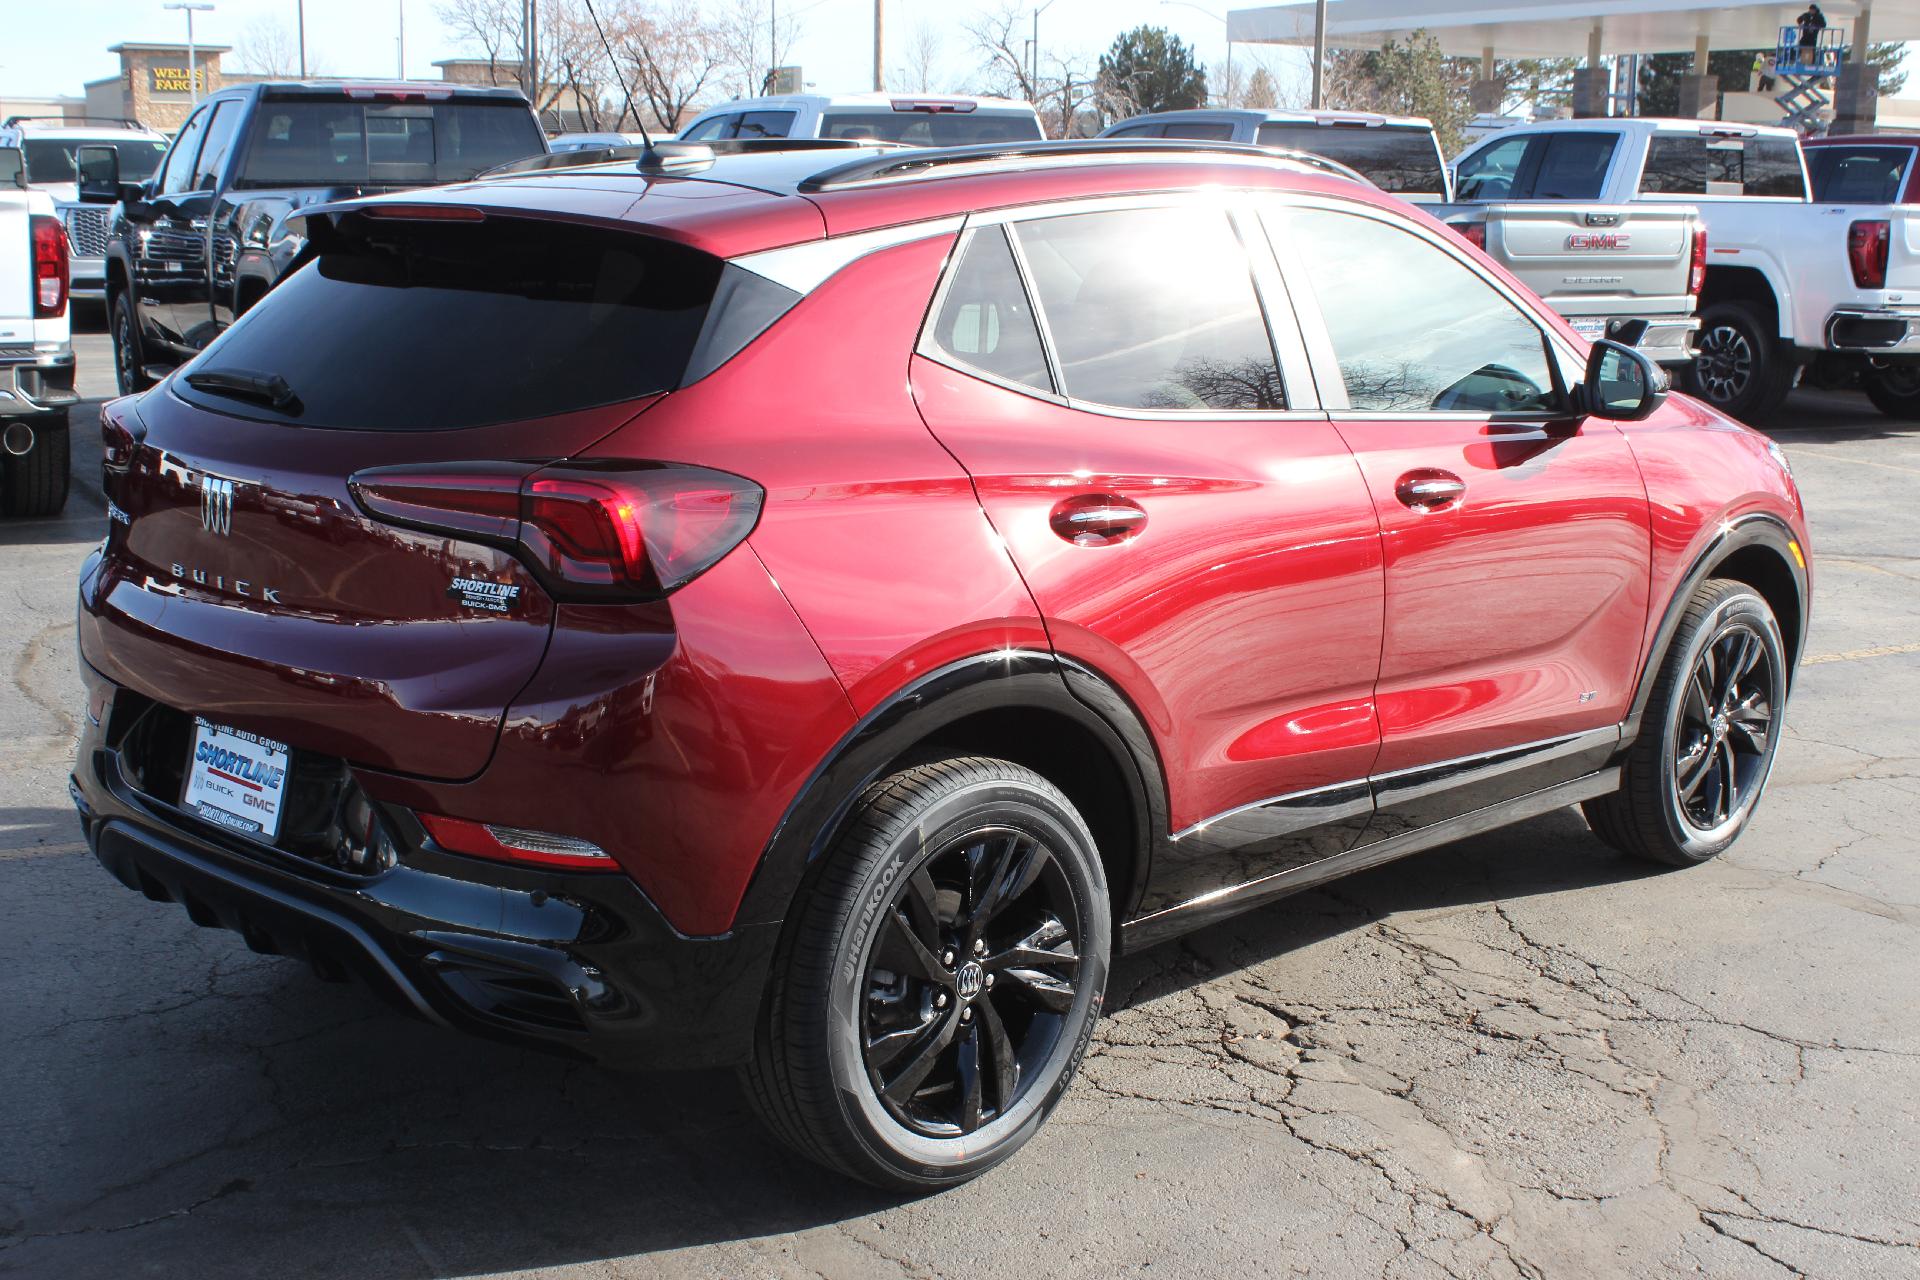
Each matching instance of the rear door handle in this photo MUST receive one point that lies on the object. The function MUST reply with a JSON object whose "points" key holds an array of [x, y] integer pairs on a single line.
{"points": [[1097, 519], [1430, 489]]}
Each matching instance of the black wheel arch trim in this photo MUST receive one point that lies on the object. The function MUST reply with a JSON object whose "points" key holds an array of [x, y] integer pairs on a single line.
{"points": [[1755, 529], [1016, 680]]}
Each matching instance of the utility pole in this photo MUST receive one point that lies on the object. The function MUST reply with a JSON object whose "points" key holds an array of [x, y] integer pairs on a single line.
{"points": [[879, 45], [401, 5], [300, 21], [193, 62], [1319, 54]]}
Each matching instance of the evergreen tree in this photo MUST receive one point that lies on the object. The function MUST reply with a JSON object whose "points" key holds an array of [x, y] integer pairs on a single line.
{"points": [[1150, 69]]}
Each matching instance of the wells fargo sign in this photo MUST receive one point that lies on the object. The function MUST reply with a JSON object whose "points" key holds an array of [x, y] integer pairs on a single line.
{"points": [[174, 79]]}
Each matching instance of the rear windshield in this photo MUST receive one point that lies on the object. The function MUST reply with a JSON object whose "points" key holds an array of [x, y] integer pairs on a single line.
{"points": [[309, 142], [1859, 175], [427, 326], [930, 128], [1704, 166], [52, 159], [1393, 159]]}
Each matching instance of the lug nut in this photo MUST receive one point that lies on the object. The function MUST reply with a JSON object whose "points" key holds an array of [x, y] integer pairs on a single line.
{"points": [[939, 999], [946, 958], [966, 1014], [989, 981], [979, 946]]}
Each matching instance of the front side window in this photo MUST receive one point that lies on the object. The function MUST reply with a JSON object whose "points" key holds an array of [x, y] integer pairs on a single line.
{"points": [[763, 124], [1152, 309], [1859, 175], [177, 177], [709, 129], [1200, 130], [1489, 173], [213, 155], [985, 320], [1412, 327], [1134, 131]]}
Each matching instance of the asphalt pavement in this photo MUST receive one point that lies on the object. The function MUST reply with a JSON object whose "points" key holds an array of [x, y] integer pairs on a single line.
{"points": [[1517, 1056]]}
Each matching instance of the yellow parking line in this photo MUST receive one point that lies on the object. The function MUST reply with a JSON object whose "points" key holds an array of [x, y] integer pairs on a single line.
{"points": [[1854, 655], [1859, 462]]}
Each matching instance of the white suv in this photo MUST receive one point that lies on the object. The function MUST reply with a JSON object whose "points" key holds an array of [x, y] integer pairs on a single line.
{"points": [[918, 120], [50, 143]]}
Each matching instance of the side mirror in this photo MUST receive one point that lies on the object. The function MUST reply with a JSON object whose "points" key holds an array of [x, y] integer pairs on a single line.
{"points": [[13, 167], [1622, 384], [100, 177]]}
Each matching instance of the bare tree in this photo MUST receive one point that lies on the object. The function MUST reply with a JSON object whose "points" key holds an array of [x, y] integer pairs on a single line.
{"points": [[670, 57], [755, 36], [999, 36], [494, 25], [921, 74], [268, 48]]}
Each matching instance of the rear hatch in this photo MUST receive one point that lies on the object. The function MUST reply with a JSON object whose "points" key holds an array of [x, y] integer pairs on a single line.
{"points": [[245, 581], [1598, 260]]}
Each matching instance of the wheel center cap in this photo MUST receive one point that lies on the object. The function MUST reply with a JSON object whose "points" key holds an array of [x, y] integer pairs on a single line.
{"points": [[971, 980], [1719, 728]]}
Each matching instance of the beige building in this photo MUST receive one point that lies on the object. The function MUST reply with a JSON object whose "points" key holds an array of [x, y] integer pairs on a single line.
{"points": [[153, 86]]}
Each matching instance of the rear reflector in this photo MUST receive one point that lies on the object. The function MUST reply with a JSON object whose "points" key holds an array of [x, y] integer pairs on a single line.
{"points": [[590, 530], [50, 266], [1867, 253], [514, 844]]}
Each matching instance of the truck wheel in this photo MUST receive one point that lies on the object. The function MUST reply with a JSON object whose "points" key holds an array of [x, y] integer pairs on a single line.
{"points": [[1742, 369], [1894, 388], [939, 977], [129, 361], [35, 483], [1694, 775]]}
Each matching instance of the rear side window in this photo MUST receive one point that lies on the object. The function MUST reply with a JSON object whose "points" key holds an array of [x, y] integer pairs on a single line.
{"points": [[1135, 131], [930, 128], [985, 320], [1152, 309], [1392, 159], [1573, 166], [1859, 175], [349, 142], [1200, 130], [763, 124], [1705, 166], [1449, 342], [427, 326]]}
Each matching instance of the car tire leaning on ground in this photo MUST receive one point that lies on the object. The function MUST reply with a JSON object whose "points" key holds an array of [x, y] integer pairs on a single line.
{"points": [[1707, 741], [129, 361], [35, 483], [887, 1031], [1894, 389], [1743, 370]]}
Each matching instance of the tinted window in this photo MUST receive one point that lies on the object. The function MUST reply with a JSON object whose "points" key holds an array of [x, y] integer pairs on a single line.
{"points": [[52, 159], [929, 128], [426, 326], [178, 175], [763, 124], [985, 320], [351, 143], [1393, 159], [213, 153], [1696, 166], [1134, 131], [1152, 309], [1859, 175], [1448, 341], [711, 127], [1573, 166], [1201, 130], [1488, 174]]}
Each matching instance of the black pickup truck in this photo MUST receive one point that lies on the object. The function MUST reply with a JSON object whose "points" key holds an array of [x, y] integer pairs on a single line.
{"points": [[193, 247]]}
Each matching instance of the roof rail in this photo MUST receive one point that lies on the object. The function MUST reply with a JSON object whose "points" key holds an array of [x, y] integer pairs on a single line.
{"points": [[120, 122], [926, 159], [680, 159]]}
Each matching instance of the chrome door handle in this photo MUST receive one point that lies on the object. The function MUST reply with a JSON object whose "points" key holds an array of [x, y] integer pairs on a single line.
{"points": [[1430, 489], [1097, 519]]}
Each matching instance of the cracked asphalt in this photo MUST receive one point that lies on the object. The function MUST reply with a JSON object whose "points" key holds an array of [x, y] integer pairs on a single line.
{"points": [[1518, 1056]]}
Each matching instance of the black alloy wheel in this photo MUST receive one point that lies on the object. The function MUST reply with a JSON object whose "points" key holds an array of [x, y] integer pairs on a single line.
{"points": [[970, 981], [129, 373], [1740, 368], [1725, 363], [1724, 740], [1894, 387]]}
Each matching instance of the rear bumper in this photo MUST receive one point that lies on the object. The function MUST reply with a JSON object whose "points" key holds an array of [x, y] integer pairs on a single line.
{"points": [[88, 279], [36, 384], [1873, 331], [1668, 339], [574, 963]]}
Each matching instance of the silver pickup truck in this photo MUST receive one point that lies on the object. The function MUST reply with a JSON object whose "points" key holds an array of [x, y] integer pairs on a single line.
{"points": [[1602, 266]]}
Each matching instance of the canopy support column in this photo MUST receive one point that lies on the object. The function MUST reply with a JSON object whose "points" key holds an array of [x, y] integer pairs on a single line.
{"points": [[1487, 95], [1856, 90], [1590, 81]]}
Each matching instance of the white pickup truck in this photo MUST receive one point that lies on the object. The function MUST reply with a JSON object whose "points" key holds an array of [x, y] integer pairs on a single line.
{"points": [[36, 350], [1871, 181], [1776, 282]]}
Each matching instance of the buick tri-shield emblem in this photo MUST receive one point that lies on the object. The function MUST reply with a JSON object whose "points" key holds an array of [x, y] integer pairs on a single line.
{"points": [[216, 505]]}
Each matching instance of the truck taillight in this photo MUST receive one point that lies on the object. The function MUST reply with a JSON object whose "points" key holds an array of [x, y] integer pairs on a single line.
{"points": [[1697, 271], [1867, 253], [594, 530], [50, 265], [1474, 233]]}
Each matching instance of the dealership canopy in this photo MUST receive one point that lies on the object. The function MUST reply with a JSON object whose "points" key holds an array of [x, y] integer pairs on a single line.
{"points": [[1561, 28]]}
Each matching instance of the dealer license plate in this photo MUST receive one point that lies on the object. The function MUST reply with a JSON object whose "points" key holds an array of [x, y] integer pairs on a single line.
{"points": [[1590, 328], [236, 780]]}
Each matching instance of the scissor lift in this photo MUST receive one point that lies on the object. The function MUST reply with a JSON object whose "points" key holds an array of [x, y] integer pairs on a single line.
{"points": [[1807, 70]]}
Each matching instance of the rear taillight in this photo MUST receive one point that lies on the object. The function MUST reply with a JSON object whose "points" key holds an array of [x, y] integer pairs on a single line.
{"points": [[50, 263], [1697, 270], [514, 844], [599, 530], [1474, 233], [1867, 253]]}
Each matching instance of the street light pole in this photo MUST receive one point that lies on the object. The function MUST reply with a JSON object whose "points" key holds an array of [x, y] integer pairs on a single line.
{"points": [[300, 19], [1319, 54], [193, 63]]}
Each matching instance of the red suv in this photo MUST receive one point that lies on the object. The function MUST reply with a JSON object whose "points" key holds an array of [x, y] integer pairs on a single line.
{"points": [[809, 611]]}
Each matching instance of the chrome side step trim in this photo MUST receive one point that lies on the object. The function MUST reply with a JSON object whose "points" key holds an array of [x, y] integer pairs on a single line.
{"points": [[1218, 905]]}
